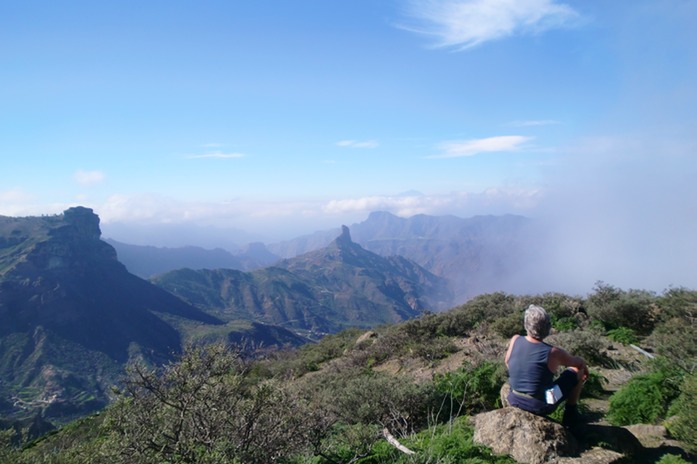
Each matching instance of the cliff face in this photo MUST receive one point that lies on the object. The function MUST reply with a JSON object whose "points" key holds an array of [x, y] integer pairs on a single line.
{"points": [[70, 313], [73, 245]]}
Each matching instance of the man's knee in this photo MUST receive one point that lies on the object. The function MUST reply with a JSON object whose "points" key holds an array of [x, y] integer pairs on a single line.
{"points": [[578, 372]]}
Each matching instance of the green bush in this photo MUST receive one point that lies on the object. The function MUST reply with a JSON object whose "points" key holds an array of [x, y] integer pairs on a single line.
{"points": [[676, 339], [351, 443], [635, 309], [584, 343], [558, 305], [8, 453], [685, 408], [509, 325], [471, 389], [450, 443], [435, 348], [623, 335], [489, 307], [645, 398], [679, 302], [363, 396], [671, 459], [593, 387], [564, 324], [202, 409], [638, 402]]}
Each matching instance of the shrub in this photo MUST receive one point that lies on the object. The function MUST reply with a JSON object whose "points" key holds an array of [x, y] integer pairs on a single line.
{"points": [[679, 302], [435, 348], [8, 453], [638, 402], [350, 443], [635, 309], [450, 443], [564, 324], [685, 408], [677, 340], [584, 343], [472, 388], [363, 396], [593, 387], [623, 335], [203, 408], [488, 307], [509, 325], [558, 305], [645, 398], [671, 459]]}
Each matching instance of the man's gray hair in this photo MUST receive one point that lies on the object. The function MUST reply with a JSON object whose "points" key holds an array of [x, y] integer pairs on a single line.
{"points": [[537, 322]]}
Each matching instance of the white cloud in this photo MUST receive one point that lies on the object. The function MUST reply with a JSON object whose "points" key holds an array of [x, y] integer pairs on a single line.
{"points": [[218, 155], [464, 24], [358, 144], [291, 218], [14, 196], [472, 147], [88, 177], [491, 201]]}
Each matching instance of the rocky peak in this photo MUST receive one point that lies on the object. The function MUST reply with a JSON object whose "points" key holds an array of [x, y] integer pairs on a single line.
{"points": [[83, 221], [345, 236], [72, 243]]}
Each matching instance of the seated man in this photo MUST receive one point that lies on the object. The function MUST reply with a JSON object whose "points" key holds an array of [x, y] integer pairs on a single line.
{"points": [[532, 364]]}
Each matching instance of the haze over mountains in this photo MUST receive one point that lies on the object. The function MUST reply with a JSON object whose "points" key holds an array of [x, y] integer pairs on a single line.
{"points": [[475, 255], [72, 315]]}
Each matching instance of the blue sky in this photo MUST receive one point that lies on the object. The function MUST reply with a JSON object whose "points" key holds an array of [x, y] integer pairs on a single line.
{"points": [[281, 118]]}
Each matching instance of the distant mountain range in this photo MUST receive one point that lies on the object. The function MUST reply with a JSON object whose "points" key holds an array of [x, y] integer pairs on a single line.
{"points": [[475, 255], [72, 315], [149, 261], [319, 292]]}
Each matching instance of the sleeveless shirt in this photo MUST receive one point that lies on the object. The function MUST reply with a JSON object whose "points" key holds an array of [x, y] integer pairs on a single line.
{"points": [[527, 367]]}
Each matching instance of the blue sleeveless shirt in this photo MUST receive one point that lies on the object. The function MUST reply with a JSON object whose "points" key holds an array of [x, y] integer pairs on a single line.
{"points": [[527, 367]]}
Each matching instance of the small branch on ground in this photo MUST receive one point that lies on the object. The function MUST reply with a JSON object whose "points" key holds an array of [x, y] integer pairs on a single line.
{"points": [[394, 442]]}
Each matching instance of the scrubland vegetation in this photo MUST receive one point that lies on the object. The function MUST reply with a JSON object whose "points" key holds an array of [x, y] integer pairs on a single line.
{"points": [[333, 402]]}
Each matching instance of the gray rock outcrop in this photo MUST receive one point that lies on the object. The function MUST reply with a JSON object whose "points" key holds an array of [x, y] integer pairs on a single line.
{"points": [[525, 437], [532, 439]]}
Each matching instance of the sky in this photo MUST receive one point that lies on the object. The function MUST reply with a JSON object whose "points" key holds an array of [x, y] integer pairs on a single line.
{"points": [[280, 118]]}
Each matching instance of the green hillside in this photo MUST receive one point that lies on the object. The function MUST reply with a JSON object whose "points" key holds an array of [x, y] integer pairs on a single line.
{"points": [[317, 293], [419, 380]]}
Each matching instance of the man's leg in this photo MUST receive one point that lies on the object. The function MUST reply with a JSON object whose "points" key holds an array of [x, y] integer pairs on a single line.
{"points": [[571, 414]]}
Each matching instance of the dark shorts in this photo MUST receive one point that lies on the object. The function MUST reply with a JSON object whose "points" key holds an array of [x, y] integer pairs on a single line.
{"points": [[566, 381]]}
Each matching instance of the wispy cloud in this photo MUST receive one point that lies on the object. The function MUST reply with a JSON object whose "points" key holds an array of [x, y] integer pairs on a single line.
{"points": [[217, 154], [464, 24], [88, 177], [358, 144], [472, 147]]}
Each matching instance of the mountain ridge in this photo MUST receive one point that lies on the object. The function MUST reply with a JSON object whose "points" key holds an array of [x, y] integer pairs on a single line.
{"points": [[319, 292], [476, 255]]}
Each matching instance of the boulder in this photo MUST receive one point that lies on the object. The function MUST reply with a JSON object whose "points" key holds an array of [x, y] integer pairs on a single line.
{"points": [[525, 437], [532, 439]]}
